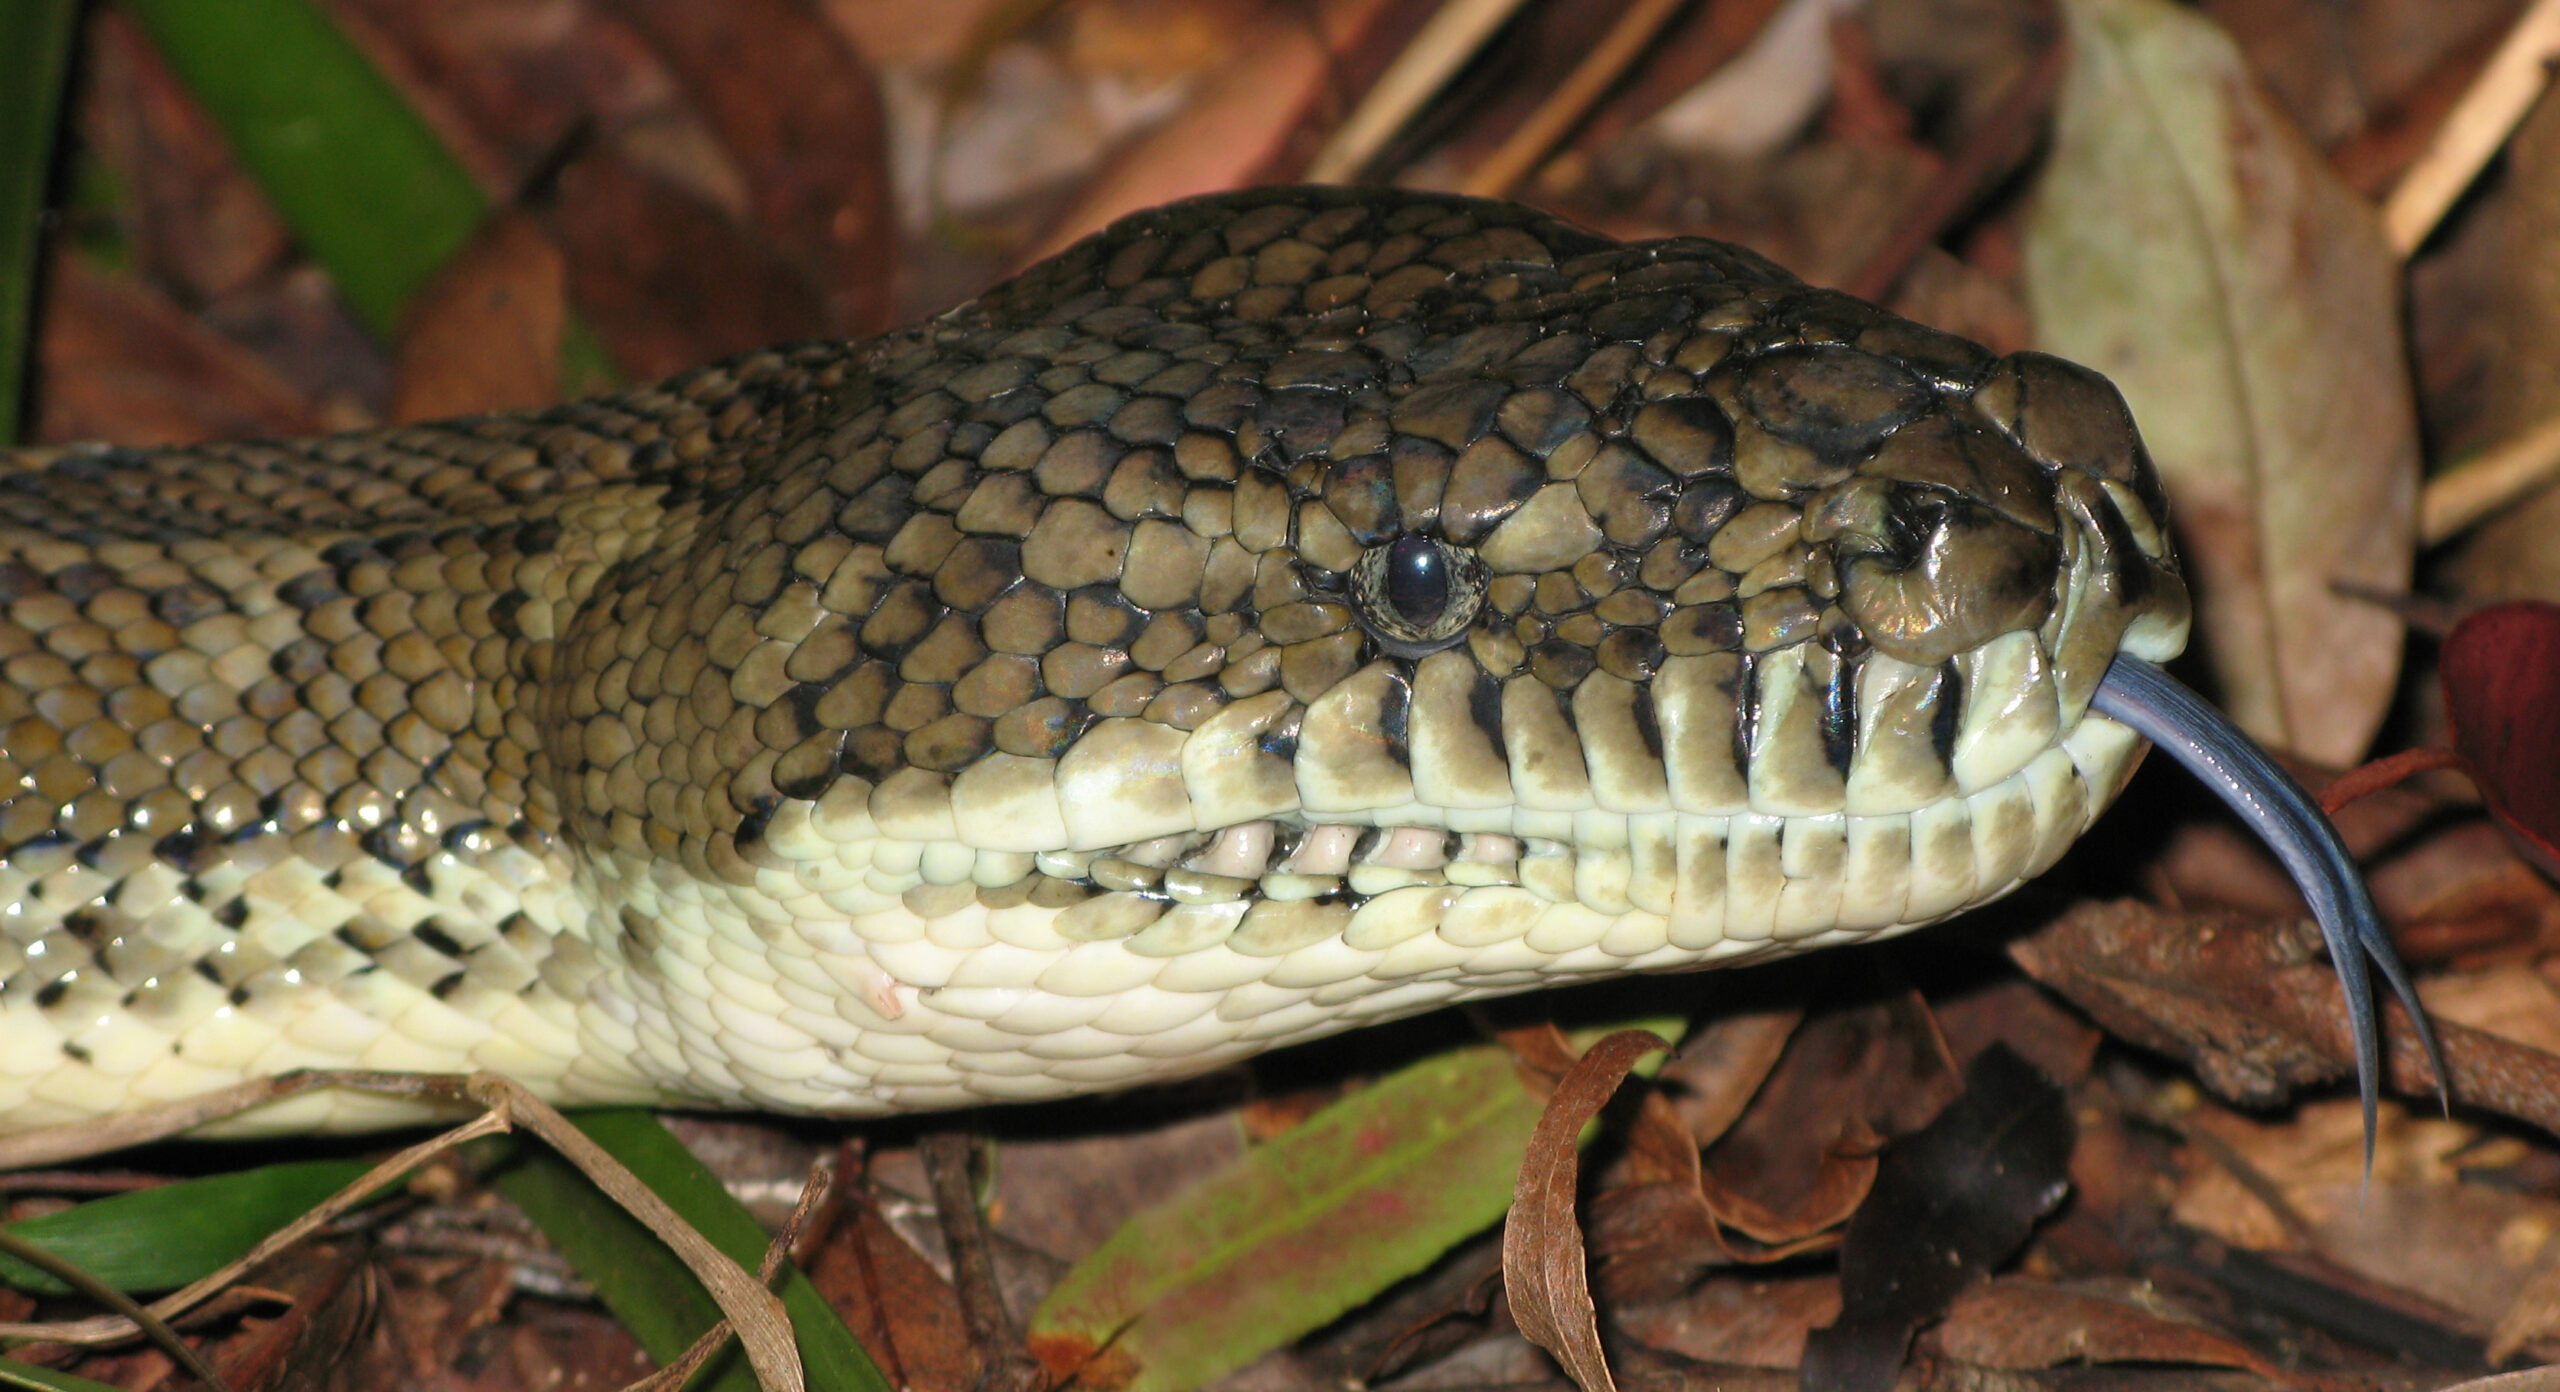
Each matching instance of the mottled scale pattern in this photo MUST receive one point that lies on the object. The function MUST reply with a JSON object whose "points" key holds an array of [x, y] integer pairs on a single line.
{"points": [[1065, 693]]}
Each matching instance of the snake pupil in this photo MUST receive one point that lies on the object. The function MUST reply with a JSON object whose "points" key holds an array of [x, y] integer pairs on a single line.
{"points": [[1417, 580]]}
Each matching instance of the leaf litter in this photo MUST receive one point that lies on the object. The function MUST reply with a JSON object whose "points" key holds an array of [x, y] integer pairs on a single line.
{"points": [[654, 203]]}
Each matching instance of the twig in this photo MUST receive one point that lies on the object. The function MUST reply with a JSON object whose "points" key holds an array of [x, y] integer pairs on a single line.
{"points": [[953, 1162], [1447, 41], [681, 1371], [2490, 480], [763, 1328], [1564, 108], [1997, 144], [80, 1139], [109, 1328], [152, 1326], [2507, 88]]}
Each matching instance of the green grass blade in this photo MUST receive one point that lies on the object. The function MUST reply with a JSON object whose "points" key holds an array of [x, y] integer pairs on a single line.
{"points": [[160, 1239], [644, 1285], [366, 186], [35, 51]]}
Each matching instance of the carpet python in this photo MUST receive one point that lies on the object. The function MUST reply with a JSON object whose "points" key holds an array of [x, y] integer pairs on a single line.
{"points": [[1280, 612]]}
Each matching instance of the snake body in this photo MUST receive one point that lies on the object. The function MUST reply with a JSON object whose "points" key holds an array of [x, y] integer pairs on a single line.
{"points": [[1279, 612]]}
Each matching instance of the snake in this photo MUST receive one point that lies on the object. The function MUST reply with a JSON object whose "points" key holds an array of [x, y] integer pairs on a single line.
{"points": [[1280, 612]]}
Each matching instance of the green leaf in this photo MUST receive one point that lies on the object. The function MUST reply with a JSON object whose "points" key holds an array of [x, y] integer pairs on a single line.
{"points": [[644, 1284], [35, 51], [27, 1375], [2188, 242], [160, 1239], [365, 185], [1363, 1194]]}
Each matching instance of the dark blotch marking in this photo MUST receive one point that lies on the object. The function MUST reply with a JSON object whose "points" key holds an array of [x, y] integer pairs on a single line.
{"points": [[1395, 722], [88, 929], [1746, 710], [1947, 714], [310, 590], [1484, 707], [51, 993], [183, 850], [1648, 725], [754, 820], [1840, 717], [434, 936], [233, 913]]}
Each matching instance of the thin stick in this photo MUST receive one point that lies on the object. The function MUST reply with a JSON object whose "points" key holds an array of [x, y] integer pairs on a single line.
{"points": [[1447, 41], [80, 1139], [102, 1329], [676, 1374], [763, 1329], [954, 1161], [2490, 480], [1527, 147], [152, 1326], [2478, 124]]}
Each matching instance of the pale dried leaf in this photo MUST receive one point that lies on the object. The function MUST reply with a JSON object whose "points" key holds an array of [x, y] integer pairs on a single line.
{"points": [[2190, 244]]}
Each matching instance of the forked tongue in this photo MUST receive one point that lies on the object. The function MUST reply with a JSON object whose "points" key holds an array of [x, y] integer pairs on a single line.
{"points": [[2180, 722]]}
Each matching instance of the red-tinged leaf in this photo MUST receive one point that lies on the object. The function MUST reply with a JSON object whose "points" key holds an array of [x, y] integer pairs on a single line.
{"points": [[119, 362], [2501, 672], [666, 279], [484, 334], [897, 1305], [1542, 1268], [1951, 1202], [798, 110], [1299, 1230]]}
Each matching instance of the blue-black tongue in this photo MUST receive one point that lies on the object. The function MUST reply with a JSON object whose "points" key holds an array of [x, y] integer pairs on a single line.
{"points": [[2162, 710]]}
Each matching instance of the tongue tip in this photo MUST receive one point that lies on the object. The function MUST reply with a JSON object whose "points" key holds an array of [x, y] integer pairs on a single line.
{"points": [[2159, 708]]}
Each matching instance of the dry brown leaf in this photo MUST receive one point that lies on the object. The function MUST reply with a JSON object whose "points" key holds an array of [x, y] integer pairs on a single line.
{"points": [[194, 218], [903, 1312], [2187, 242], [799, 111], [1797, 1163], [1542, 1269], [1237, 120], [667, 280], [483, 334], [2018, 1323]]}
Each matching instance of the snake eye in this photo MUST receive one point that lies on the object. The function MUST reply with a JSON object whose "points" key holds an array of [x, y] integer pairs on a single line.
{"points": [[1416, 595]]}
